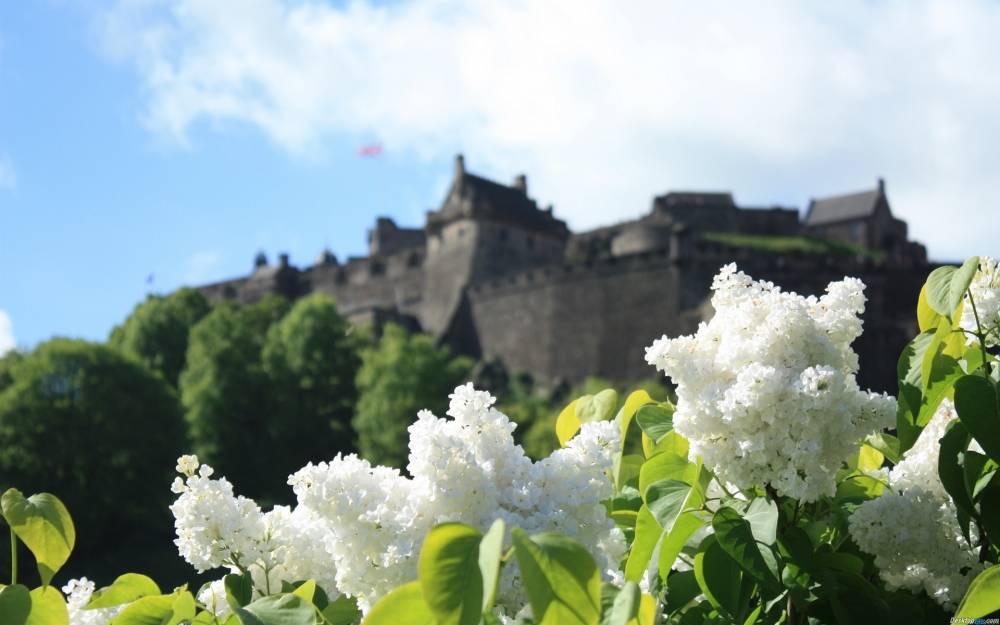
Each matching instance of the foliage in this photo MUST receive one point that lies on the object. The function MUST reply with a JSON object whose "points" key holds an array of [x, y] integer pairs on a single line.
{"points": [[83, 420], [226, 395], [310, 358], [156, 333], [785, 244], [642, 515], [400, 375]]}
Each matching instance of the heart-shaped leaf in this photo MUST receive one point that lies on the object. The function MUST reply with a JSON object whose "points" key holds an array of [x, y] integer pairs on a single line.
{"points": [[125, 589], [43, 524], [449, 574]]}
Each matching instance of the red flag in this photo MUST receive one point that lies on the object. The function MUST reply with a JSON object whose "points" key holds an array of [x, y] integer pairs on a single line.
{"points": [[374, 149]]}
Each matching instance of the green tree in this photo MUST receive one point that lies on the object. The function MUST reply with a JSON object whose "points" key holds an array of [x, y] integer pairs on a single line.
{"points": [[400, 375], [226, 395], [311, 358], [157, 331], [82, 420]]}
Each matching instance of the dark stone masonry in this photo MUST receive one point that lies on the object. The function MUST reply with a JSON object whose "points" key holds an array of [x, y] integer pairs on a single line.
{"points": [[498, 278]]}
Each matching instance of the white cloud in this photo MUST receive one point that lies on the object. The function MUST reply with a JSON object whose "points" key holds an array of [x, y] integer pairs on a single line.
{"points": [[606, 104], [7, 341], [8, 177]]}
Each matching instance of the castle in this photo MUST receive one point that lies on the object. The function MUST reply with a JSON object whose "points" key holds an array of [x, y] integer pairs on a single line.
{"points": [[498, 278]]}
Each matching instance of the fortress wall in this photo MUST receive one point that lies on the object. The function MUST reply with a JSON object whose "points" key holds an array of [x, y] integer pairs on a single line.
{"points": [[570, 321], [360, 286], [567, 322]]}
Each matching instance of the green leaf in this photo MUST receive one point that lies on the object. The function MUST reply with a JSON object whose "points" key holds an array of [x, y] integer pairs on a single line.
{"points": [[674, 541], [886, 444], [306, 590], [927, 317], [666, 500], [15, 605], [449, 574], [239, 590], [939, 290], [405, 605], [146, 611], [343, 611], [762, 515], [953, 445], [647, 535], [635, 401], [625, 606], [47, 607], [567, 424], [960, 282], [682, 587], [667, 466], [983, 595], [597, 407], [560, 578], [43, 524], [182, 608], [976, 404], [490, 558], [125, 589], [719, 577], [656, 420], [736, 537], [908, 370], [283, 609]]}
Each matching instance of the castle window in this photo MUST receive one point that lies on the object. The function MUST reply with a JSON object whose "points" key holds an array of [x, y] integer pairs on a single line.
{"points": [[376, 269], [413, 260], [340, 277]]}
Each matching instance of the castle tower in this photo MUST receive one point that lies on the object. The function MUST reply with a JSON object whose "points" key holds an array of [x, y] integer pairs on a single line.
{"points": [[483, 230]]}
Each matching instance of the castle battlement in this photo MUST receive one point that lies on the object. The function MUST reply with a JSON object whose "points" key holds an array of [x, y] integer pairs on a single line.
{"points": [[495, 276]]}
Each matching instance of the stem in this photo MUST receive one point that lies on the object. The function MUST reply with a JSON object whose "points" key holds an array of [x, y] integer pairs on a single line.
{"points": [[793, 614], [987, 367], [984, 544], [13, 557]]}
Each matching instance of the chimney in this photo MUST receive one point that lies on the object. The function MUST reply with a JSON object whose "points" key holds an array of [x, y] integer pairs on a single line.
{"points": [[260, 260], [283, 260], [459, 166], [881, 185], [521, 183]]}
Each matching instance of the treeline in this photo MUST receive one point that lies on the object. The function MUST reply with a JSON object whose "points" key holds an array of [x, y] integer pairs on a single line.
{"points": [[256, 391]]}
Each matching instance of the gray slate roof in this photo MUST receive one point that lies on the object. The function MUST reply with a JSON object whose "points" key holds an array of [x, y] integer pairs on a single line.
{"points": [[842, 207]]}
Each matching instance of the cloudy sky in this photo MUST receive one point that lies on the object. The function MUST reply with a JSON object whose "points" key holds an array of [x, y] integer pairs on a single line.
{"points": [[147, 144]]}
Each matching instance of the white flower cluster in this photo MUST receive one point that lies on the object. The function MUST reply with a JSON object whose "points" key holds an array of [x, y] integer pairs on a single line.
{"points": [[985, 293], [469, 470], [913, 532], [766, 389], [358, 529], [78, 594], [216, 528]]}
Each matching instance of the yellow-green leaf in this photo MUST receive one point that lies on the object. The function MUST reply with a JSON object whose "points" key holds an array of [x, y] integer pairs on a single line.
{"points": [[567, 425], [43, 524], [405, 605]]}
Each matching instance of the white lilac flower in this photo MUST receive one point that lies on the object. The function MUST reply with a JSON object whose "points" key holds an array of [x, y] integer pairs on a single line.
{"points": [[985, 293], [78, 594], [358, 528], [214, 527], [466, 469], [912, 531], [766, 389]]}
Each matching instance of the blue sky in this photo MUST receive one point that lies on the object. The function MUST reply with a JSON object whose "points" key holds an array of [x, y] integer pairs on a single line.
{"points": [[178, 138]]}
